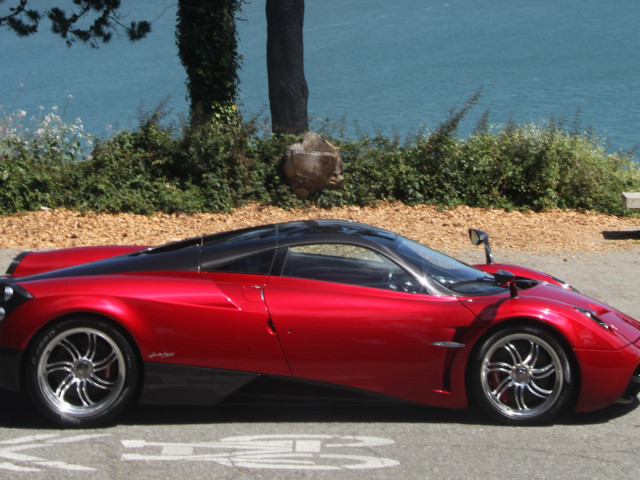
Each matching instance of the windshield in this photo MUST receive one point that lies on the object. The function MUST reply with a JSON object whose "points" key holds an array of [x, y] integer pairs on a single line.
{"points": [[447, 271]]}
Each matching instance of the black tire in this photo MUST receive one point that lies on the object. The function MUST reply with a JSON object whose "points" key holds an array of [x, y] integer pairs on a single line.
{"points": [[81, 372], [521, 375]]}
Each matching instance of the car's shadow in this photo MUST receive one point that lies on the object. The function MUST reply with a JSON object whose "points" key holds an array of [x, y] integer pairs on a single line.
{"points": [[258, 412], [18, 413]]}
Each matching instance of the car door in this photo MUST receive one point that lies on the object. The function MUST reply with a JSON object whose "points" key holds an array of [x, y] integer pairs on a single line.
{"points": [[350, 316], [241, 336]]}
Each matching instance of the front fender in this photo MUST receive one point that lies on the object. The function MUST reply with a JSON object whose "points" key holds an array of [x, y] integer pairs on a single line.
{"points": [[605, 358], [578, 330], [27, 320], [523, 272]]}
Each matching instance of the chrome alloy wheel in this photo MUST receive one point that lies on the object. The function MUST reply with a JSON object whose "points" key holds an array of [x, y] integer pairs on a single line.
{"points": [[81, 372], [521, 376]]}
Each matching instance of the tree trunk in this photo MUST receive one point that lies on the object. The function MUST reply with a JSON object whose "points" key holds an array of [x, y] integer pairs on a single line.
{"points": [[288, 91], [207, 45]]}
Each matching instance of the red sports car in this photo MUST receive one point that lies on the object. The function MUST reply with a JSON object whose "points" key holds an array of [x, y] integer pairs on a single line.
{"points": [[87, 331]]}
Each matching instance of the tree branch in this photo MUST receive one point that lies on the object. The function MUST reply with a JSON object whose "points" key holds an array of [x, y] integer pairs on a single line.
{"points": [[102, 19]]}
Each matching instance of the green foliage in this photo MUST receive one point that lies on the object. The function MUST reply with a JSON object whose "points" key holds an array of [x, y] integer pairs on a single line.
{"points": [[269, 185], [133, 172], [213, 157], [224, 163], [208, 48], [544, 167], [90, 21], [528, 167], [370, 172], [43, 138], [36, 155]]}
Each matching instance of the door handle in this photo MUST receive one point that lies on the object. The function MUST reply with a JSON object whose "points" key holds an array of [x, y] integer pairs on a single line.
{"points": [[253, 293], [271, 328]]}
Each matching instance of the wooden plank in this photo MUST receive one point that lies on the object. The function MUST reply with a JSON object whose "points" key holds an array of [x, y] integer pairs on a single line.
{"points": [[631, 199]]}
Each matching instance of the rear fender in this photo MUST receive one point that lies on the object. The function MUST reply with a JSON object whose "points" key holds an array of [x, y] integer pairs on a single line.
{"points": [[32, 263]]}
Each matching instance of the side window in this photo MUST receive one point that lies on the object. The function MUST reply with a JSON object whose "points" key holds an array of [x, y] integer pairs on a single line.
{"points": [[349, 264], [257, 264]]}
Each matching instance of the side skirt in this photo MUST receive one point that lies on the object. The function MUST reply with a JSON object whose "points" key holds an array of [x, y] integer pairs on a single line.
{"points": [[167, 384]]}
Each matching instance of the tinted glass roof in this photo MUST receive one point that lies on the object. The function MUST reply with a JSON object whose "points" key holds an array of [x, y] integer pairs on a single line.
{"points": [[324, 228], [262, 232], [285, 233]]}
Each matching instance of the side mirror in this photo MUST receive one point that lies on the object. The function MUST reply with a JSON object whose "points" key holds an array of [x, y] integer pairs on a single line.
{"points": [[477, 237], [504, 278]]}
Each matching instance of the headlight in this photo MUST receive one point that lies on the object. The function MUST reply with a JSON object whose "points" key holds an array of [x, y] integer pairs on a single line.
{"points": [[11, 297], [8, 293], [593, 316]]}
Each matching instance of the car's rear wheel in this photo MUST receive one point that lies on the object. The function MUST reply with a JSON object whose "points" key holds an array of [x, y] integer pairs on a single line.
{"points": [[521, 375], [81, 372]]}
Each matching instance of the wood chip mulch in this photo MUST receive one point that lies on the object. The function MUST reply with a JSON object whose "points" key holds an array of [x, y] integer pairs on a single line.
{"points": [[445, 230]]}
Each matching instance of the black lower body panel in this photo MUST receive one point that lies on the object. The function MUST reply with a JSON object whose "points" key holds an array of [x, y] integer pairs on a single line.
{"points": [[10, 360], [167, 384]]}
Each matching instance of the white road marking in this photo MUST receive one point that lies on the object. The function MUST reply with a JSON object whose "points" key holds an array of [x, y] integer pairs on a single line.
{"points": [[284, 452], [287, 452], [11, 450]]}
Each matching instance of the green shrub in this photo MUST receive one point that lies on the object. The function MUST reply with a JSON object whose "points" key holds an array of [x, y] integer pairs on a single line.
{"points": [[268, 184], [369, 172], [535, 167], [134, 172], [213, 157], [36, 156], [225, 163]]}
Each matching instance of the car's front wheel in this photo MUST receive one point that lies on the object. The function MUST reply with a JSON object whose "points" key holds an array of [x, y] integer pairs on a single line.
{"points": [[81, 372], [521, 375]]}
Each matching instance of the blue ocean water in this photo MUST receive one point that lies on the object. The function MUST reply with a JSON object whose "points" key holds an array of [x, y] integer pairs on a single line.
{"points": [[389, 66]]}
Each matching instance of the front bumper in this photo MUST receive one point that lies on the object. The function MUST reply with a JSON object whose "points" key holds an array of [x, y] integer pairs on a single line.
{"points": [[607, 376], [632, 390]]}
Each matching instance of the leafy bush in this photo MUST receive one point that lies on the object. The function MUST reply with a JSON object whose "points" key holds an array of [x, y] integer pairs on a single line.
{"points": [[213, 156], [536, 167], [370, 175], [133, 172], [45, 138], [225, 162], [35, 157], [267, 173], [533, 167]]}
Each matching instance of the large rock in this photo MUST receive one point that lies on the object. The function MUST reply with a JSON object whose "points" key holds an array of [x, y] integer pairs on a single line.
{"points": [[312, 165]]}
